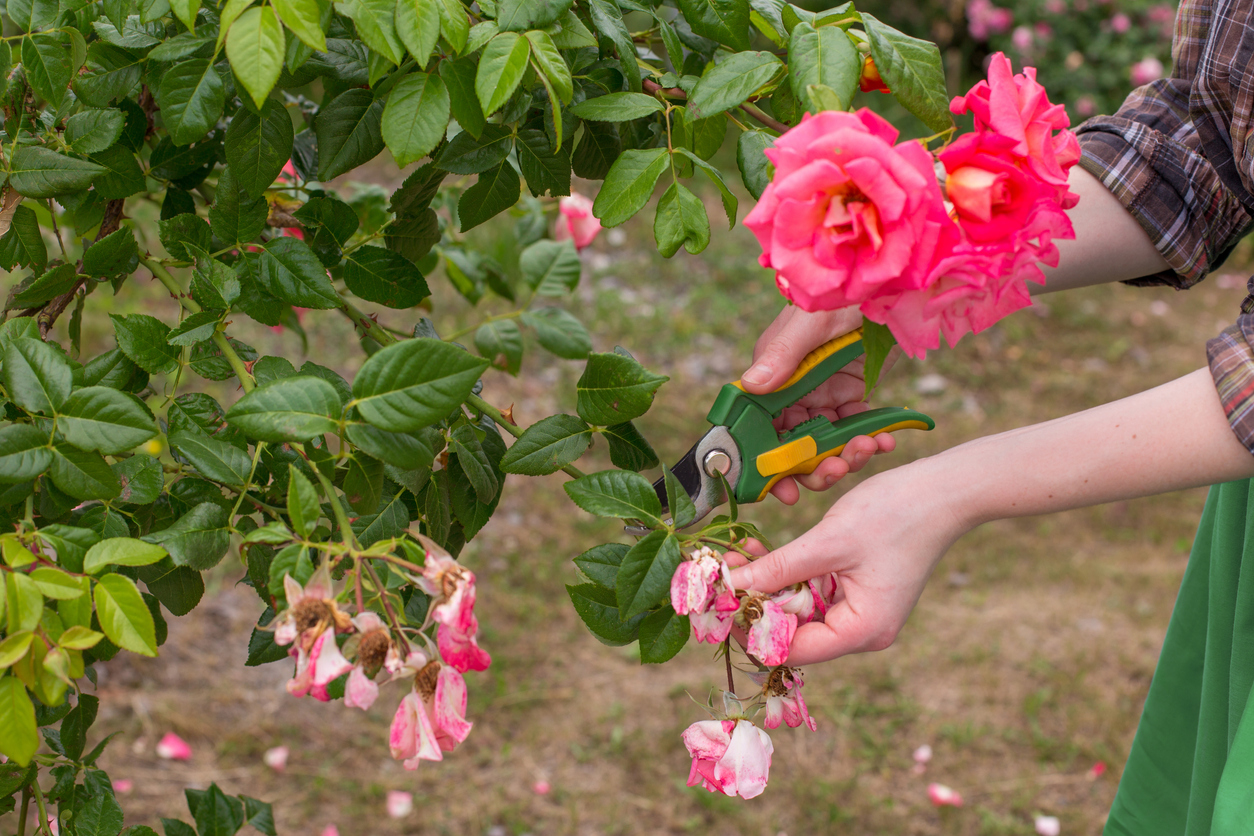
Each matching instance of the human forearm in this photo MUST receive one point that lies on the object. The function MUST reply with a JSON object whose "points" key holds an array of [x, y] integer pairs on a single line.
{"points": [[1110, 246], [1171, 437]]}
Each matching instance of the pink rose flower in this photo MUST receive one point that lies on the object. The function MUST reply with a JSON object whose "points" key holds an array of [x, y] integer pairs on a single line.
{"points": [[729, 756], [1146, 70], [1021, 38], [993, 196], [1017, 106], [848, 215], [575, 221], [317, 667], [1120, 23], [453, 588], [1085, 106], [701, 589], [798, 600]]}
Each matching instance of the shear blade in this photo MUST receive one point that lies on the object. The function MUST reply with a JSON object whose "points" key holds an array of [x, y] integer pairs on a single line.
{"points": [[706, 492]]}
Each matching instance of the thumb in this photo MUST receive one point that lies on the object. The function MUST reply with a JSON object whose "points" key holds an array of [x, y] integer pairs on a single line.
{"points": [[801, 334], [806, 557]]}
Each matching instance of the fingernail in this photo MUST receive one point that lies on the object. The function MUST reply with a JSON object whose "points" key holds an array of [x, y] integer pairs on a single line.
{"points": [[757, 375]]}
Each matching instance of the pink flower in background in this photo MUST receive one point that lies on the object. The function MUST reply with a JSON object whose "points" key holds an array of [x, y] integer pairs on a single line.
{"points": [[123, 785], [1043, 31], [984, 19], [848, 215], [276, 758], [330, 830], [1021, 38], [171, 747], [1146, 70], [1085, 106], [729, 756], [1047, 825], [1056, 7], [1096, 771], [575, 221], [784, 703], [943, 796], [770, 630], [400, 804], [1017, 106], [542, 788], [1120, 23], [1161, 13]]}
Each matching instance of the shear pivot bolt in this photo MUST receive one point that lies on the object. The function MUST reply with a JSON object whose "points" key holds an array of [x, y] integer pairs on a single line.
{"points": [[717, 463]]}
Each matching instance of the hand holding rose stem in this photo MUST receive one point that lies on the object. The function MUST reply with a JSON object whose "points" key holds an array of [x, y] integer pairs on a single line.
{"points": [[884, 537]]}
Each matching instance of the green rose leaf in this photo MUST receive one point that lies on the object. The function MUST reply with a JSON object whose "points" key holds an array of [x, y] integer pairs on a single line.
{"points": [[104, 419], [304, 19], [413, 384], [49, 286], [259, 145], [521, 15], [117, 254], [616, 493], [191, 95], [196, 328], [600, 563], [199, 539], [82, 474], [680, 220], [598, 608], [548, 445], [662, 635], [755, 168], [629, 184], [418, 25], [501, 343], [415, 117], [404, 450], [628, 448], [349, 132], [24, 453], [19, 739], [725, 21], [36, 375], [121, 551], [23, 244], [644, 578], [39, 172], [288, 409], [614, 389], [913, 70], [731, 82], [145, 341], [495, 191], [215, 459], [617, 107], [384, 277], [559, 332], [94, 129], [255, 47], [124, 617], [823, 56], [501, 68], [376, 24], [290, 271]]}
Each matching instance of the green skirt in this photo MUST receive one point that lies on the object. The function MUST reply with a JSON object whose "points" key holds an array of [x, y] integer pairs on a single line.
{"points": [[1191, 768]]}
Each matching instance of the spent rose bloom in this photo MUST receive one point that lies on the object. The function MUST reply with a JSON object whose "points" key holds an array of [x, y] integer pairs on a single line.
{"points": [[784, 704], [770, 629], [848, 215], [1016, 106], [701, 589], [453, 588], [431, 719], [575, 221], [729, 756], [374, 649], [317, 667]]}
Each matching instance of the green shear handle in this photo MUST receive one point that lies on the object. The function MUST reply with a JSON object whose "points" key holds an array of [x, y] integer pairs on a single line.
{"points": [[768, 456]]}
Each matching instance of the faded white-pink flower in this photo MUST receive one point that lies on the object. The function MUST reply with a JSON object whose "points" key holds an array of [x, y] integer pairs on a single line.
{"points": [[729, 756], [276, 758], [781, 689], [575, 221], [770, 629]]}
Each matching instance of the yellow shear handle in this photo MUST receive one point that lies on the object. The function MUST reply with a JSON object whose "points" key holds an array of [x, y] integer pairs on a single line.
{"points": [[800, 457], [815, 357]]}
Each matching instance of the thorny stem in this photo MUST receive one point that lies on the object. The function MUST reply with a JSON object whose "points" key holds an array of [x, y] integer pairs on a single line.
{"points": [[731, 683], [237, 365], [341, 518], [387, 608], [57, 232], [389, 558], [652, 87], [361, 605], [369, 327], [43, 809], [249, 482], [21, 819]]}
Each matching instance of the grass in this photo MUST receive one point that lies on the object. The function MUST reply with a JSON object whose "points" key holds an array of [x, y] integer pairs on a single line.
{"points": [[1025, 662]]}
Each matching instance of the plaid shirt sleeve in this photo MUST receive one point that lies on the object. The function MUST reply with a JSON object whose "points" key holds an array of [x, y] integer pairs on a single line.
{"points": [[1168, 156]]}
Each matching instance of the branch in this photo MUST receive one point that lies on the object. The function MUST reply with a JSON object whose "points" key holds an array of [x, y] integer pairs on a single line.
{"points": [[48, 312], [652, 87], [510, 427]]}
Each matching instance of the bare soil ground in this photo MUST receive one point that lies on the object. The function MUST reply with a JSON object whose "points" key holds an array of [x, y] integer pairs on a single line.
{"points": [[1025, 663]]}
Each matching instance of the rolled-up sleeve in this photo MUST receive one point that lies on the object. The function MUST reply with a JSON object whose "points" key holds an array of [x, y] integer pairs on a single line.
{"points": [[1231, 360], [1149, 156]]}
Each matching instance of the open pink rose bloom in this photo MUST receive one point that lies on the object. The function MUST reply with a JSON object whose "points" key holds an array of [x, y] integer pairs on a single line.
{"points": [[854, 218], [729, 756]]}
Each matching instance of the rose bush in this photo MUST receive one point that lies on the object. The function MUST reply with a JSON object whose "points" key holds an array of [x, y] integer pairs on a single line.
{"points": [[345, 502]]}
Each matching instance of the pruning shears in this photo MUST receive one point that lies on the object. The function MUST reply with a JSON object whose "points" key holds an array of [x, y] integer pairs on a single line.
{"points": [[744, 451]]}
